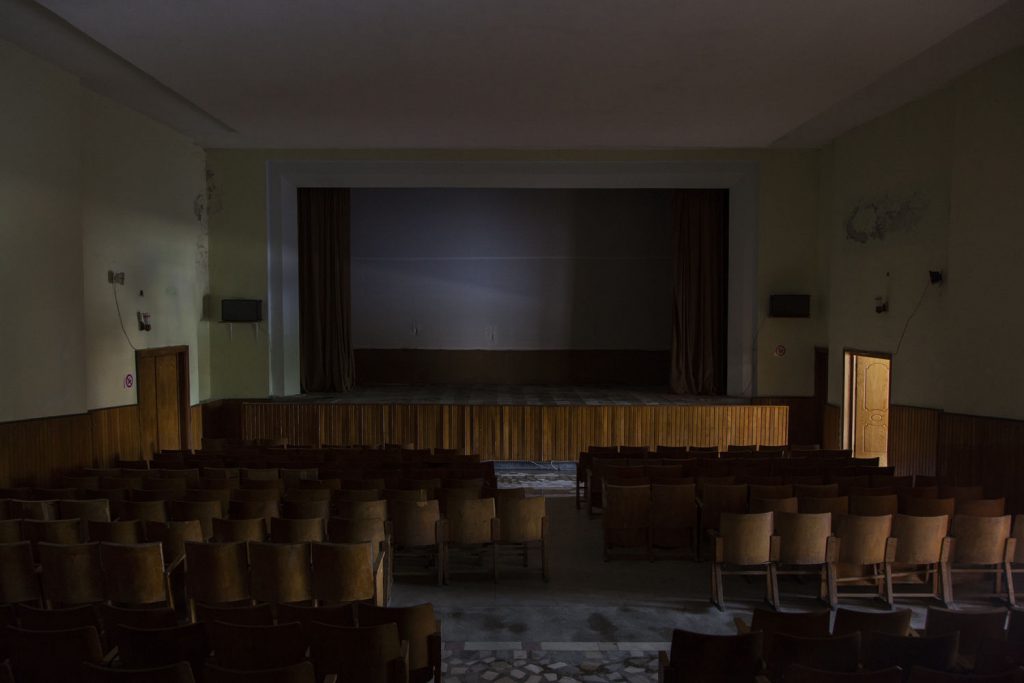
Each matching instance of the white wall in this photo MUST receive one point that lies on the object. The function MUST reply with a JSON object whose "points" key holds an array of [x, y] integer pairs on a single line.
{"points": [[511, 269], [87, 185], [42, 338]]}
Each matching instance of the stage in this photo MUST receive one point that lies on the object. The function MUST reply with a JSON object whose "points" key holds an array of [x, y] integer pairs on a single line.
{"points": [[504, 422]]}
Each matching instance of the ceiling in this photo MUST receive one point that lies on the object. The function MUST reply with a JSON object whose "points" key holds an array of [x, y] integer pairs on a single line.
{"points": [[514, 74]]}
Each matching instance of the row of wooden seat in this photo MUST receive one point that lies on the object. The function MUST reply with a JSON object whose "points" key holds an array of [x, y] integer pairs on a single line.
{"points": [[880, 551], [873, 648], [356, 642]]}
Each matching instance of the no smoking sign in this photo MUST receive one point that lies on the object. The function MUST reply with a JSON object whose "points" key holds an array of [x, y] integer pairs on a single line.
{"points": [[129, 381]]}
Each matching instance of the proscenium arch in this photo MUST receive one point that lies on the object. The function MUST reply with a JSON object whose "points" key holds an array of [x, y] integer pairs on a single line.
{"points": [[285, 177]]}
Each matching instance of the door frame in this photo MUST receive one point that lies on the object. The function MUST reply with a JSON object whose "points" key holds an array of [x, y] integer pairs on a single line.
{"points": [[184, 393], [848, 386]]}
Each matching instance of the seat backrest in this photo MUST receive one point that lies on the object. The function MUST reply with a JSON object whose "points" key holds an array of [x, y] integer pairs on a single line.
{"points": [[929, 507], [416, 624], [816, 490], [217, 572], [837, 505], [47, 656], [979, 540], [173, 536], [144, 510], [895, 622], [470, 521], [72, 574], [673, 506], [874, 505], [746, 538], [414, 522], [180, 672], [807, 624], [974, 626], [342, 572], [705, 658], [803, 537], [202, 510], [370, 530], [627, 506], [302, 672], [133, 574], [919, 539], [245, 615], [1018, 534], [305, 509], [789, 505], [522, 519], [228, 530], [310, 530], [802, 674], [336, 615], [256, 647], [862, 538], [355, 654], [720, 498], [883, 650], [280, 572], [828, 653], [771, 491], [18, 582], [962, 493], [147, 647], [982, 507], [59, 619], [129, 531]]}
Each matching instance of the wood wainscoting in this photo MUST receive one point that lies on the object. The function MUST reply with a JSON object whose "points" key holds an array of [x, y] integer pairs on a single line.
{"points": [[32, 452], [498, 432]]}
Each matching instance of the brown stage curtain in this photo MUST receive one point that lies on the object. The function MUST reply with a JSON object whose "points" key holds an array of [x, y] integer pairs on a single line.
{"points": [[700, 292], [325, 341]]}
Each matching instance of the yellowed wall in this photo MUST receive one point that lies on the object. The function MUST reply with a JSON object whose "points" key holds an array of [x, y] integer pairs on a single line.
{"points": [[87, 185], [787, 218], [958, 152]]}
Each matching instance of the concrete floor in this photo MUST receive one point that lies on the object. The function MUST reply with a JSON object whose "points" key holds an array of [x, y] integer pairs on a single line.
{"points": [[592, 601]]}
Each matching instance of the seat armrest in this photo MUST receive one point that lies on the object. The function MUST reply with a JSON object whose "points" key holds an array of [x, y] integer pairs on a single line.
{"points": [[174, 564], [665, 673], [774, 548], [832, 549], [108, 659], [742, 627], [890, 550], [331, 678]]}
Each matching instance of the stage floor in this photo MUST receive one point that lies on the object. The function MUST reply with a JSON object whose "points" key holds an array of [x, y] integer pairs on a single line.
{"points": [[512, 395]]}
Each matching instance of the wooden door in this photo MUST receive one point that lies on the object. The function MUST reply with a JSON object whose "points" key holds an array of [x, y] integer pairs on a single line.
{"points": [[163, 393], [870, 406]]}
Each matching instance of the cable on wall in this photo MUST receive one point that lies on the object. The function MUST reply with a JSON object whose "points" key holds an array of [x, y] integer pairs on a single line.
{"points": [[117, 305], [910, 317]]}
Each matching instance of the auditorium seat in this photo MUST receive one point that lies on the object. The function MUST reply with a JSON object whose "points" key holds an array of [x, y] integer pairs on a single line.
{"points": [[71, 574], [256, 647], [864, 548], [705, 658], [418, 532], [370, 654], [418, 626], [894, 622], [883, 650], [472, 527], [626, 522], [49, 656], [922, 553], [840, 654], [981, 546], [280, 572], [228, 530], [135, 575], [805, 548], [746, 541], [302, 672], [180, 672]]}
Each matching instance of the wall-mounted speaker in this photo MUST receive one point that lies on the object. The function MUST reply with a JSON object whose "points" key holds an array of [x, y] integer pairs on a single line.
{"points": [[789, 306], [241, 310]]}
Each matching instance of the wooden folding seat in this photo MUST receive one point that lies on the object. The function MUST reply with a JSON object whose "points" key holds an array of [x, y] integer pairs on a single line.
{"points": [[893, 622], [808, 624], [257, 495], [170, 489], [816, 490], [446, 497], [10, 530], [56, 619], [62, 531], [181, 672], [922, 553], [765, 491], [308, 530], [292, 475], [372, 654], [839, 654], [418, 626], [346, 572], [673, 515], [921, 674], [883, 650], [307, 509], [144, 510], [397, 496], [202, 511], [71, 574], [523, 524], [865, 548], [127, 482], [626, 522], [982, 507], [472, 527], [378, 483], [32, 509], [136, 574], [256, 647], [746, 541], [717, 499], [804, 674], [49, 656], [774, 505], [345, 495], [258, 474], [974, 626], [217, 573], [362, 509], [962, 493], [55, 494], [805, 548], [280, 572], [706, 480], [873, 505], [706, 658], [261, 614], [303, 672], [173, 535], [671, 451], [429, 486], [838, 505], [231, 530], [141, 648], [91, 510], [80, 482], [929, 507], [858, 491], [418, 533], [741, 448], [982, 546], [252, 509], [112, 618], [128, 531], [595, 480]]}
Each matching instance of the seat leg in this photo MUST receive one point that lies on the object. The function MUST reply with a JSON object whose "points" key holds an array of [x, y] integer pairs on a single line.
{"points": [[947, 585], [887, 573], [1011, 596], [717, 593], [832, 588], [773, 587]]}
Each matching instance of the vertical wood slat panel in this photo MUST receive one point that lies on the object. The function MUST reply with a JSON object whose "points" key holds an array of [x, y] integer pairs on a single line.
{"points": [[116, 434], [985, 450], [832, 429], [913, 439], [498, 432]]}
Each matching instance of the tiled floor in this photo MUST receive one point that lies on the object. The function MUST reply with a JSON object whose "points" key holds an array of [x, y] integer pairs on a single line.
{"points": [[553, 662], [513, 395]]}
